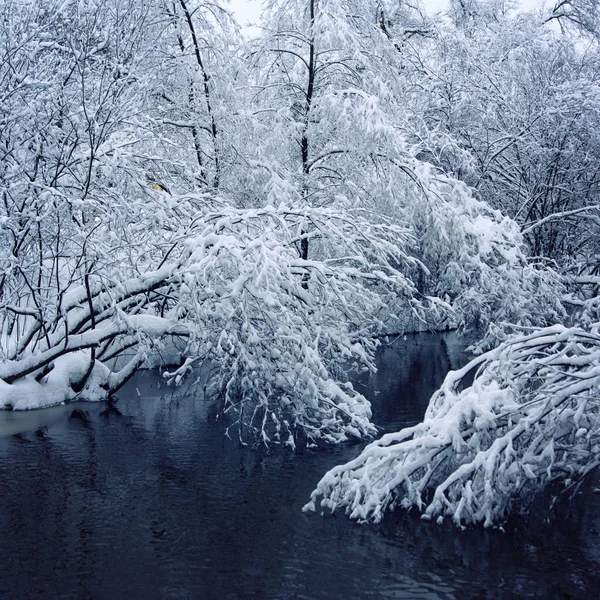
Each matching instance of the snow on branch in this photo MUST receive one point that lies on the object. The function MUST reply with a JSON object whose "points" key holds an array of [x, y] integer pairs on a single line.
{"points": [[233, 290], [531, 416], [282, 329]]}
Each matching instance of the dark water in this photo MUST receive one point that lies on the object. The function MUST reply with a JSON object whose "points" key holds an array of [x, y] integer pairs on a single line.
{"points": [[157, 503]]}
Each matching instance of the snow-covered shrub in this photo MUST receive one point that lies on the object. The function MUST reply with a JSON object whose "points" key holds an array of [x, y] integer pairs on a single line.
{"points": [[281, 329], [476, 261], [531, 416]]}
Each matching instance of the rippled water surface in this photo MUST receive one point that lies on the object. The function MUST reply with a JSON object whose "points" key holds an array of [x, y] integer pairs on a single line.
{"points": [[158, 503]]}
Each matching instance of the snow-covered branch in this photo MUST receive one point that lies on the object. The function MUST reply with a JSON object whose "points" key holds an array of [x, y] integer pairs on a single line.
{"points": [[235, 289], [585, 212], [531, 416]]}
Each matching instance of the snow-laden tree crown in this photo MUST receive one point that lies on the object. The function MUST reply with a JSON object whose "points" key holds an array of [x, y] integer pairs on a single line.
{"points": [[173, 193]]}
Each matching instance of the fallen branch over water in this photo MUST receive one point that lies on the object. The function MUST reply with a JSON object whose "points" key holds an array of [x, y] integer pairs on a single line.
{"points": [[531, 416]]}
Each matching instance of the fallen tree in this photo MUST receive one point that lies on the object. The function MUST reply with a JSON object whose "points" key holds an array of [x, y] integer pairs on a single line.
{"points": [[530, 417]]}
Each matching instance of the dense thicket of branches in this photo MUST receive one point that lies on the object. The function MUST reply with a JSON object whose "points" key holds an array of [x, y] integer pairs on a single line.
{"points": [[530, 417], [512, 109], [168, 189]]}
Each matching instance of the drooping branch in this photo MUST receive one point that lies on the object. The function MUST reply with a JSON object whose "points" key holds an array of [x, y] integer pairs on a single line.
{"points": [[531, 416]]}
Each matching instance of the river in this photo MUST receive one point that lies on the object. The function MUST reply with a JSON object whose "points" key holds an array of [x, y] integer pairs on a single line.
{"points": [[156, 503]]}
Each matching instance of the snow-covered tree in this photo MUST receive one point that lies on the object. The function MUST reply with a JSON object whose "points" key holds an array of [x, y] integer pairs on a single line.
{"points": [[197, 95], [511, 107], [108, 255], [530, 417], [332, 100], [77, 198], [234, 289], [582, 15]]}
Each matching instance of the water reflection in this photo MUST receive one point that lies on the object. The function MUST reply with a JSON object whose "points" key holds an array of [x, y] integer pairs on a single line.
{"points": [[158, 503], [409, 370]]}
